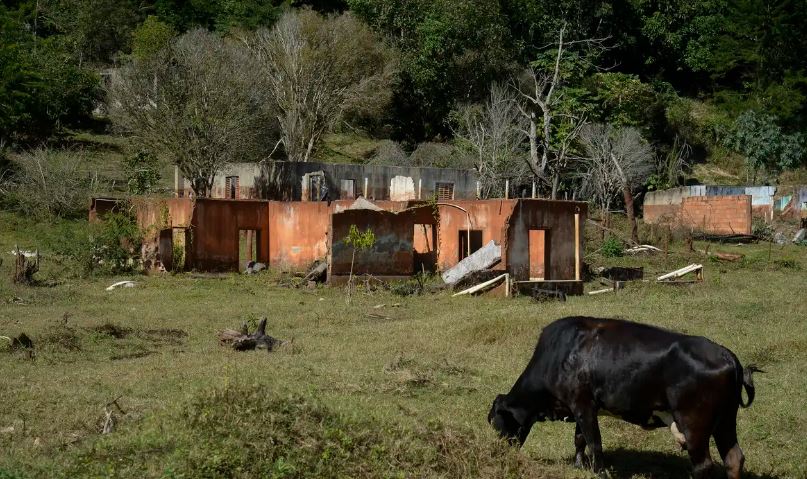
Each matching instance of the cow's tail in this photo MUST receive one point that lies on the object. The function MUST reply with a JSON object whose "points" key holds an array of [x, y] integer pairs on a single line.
{"points": [[748, 383]]}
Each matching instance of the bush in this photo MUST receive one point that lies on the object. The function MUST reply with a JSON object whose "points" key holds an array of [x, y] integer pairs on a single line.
{"points": [[109, 247], [142, 172], [612, 247], [250, 431], [49, 183]]}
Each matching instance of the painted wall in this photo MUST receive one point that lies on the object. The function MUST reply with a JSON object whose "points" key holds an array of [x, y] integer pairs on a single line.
{"points": [[392, 254], [214, 237], [489, 216], [298, 233]]}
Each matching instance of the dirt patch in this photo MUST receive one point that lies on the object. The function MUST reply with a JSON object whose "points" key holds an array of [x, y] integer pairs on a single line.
{"points": [[109, 329], [140, 354]]}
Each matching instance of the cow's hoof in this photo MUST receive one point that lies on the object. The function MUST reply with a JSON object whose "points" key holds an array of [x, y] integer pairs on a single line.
{"points": [[581, 461]]}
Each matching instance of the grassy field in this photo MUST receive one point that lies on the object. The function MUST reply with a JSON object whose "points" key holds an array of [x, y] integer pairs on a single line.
{"points": [[385, 386]]}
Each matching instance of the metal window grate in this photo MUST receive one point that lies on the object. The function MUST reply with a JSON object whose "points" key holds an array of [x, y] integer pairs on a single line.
{"points": [[445, 191], [231, 187]]}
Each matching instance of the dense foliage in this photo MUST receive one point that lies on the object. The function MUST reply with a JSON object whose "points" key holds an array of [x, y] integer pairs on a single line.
{"points": [[711, 78]]}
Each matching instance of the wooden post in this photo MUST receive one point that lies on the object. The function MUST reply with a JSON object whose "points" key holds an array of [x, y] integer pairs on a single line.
{"points": [[365, 187], [577, 246], [507, 188], [478, 190], [420, 186], [533, 188]]}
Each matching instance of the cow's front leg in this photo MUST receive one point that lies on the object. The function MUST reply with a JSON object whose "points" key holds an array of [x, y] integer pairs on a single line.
{"points": [[580, 458], [586, 418]]}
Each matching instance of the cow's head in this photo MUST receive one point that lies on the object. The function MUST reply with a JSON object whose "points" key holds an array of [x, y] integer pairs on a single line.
{"points": [[510, 420]]}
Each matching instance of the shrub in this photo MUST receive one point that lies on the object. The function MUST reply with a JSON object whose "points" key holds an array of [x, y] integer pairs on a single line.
{"points": [[108, 247], [142, 172], [251, 431], [50, 183], [612, 248]]}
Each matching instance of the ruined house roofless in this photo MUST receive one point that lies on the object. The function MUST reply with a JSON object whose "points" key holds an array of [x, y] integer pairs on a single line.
{"points": [[541, 240], [305, 181]]}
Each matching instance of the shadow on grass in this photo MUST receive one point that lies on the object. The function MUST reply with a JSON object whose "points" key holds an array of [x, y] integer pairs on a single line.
{"points": [[627, 463]]}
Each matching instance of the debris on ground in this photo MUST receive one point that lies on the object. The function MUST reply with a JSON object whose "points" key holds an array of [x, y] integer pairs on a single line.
{"points": [[317, 272], [730, 238], [643, 248], [722, 256], [487, 285], [481, 259], [622, 273], [801, 236], [541, 294], [613, 287], [254, 267], [121, 284], [110, 419], [672, 276], [475, 278], [243, 341], [20, 342]]}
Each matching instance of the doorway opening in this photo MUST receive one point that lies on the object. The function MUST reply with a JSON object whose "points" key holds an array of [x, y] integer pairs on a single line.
{"points": [[539, 253], [248, 250], [425, 249]]}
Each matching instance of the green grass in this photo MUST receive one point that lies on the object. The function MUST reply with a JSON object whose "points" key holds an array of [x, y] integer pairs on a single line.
{"points": [[355, 395]]}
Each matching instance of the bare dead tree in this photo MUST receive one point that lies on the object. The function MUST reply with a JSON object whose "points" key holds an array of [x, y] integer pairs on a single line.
{"points": [[490, 132], [195, 104], [321, 70], [673, 164], [620, 161], [541, 92]]}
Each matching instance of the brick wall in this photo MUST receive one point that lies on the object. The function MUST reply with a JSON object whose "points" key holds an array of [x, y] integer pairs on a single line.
{"points": [[717, 214]]}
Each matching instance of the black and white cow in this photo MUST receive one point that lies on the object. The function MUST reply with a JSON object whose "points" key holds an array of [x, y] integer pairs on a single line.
{"points": [[584, 367]]}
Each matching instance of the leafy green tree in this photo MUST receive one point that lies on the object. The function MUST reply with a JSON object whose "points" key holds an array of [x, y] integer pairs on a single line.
{"points": [[150, 37], [221, 15], [763, 143], [41, 88], [451, 51], [142, 172]]}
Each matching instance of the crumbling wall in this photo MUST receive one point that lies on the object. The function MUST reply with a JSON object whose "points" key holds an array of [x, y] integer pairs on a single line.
{"points": [[489, 216], [557, 218], [665, 206], [392, 253], [278, 180], [298, 233], [717, 214], [213, 243]]}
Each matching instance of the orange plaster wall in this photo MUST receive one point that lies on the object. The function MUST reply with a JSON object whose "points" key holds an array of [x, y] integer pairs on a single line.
{"points": [[490, 216]]}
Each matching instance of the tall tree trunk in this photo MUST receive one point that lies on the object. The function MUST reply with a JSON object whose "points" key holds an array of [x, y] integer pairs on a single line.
{"points": [[634, 228], [555, 184], [533, 137]]}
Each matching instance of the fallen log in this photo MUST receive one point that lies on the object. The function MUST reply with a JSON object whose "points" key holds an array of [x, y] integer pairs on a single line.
{"points": [[243, 341]]}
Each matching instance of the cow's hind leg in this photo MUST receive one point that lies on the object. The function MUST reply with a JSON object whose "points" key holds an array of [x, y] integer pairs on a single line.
{"points": [[580, 458], [697, 430], [726, 439], [587, 422]]}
